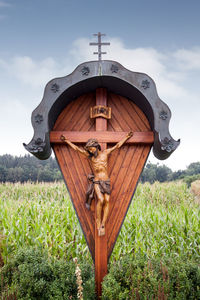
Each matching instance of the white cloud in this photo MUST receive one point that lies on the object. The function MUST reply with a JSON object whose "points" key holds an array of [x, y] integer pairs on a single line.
{"points": [[34, 73], [146, 60], [169, 71], [188, 59]]}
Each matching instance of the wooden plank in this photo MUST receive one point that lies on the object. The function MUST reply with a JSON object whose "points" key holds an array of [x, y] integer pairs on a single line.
{"points": [[67, 115], [83, 118], [119, 109], [131, 115], [66, 169], [81, 112], [120, 180], [140, 114], [78, 194], [139, 161], [146, 137], [122, 186], [70, 107], [119, 117]]}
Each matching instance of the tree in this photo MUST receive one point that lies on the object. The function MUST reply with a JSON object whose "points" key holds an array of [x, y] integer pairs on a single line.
{"points": [[193, 169], [3, 174], [163, 173], [149, 173]]}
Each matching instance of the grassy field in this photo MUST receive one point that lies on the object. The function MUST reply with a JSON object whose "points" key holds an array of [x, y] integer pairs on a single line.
{"points": [[163, 220]]}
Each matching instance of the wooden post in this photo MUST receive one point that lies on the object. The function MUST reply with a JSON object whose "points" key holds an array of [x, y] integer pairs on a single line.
{"points": [[100, 241]]}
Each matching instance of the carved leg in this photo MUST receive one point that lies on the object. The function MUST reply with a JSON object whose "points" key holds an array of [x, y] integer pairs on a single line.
{"points": [[100, 198], [105, 213], [99, 210]]}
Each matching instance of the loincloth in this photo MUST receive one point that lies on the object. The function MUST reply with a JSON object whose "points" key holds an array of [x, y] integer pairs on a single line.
{"points": [[104, 186]]}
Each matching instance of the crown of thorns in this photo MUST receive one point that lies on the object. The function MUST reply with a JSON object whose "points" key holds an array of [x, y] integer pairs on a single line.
{"points": [[92, 143]]}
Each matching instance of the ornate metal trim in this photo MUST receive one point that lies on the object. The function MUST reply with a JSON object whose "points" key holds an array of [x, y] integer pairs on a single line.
{"points": [[167, 144], [36, 146], [55, 87], [145, 84], [163, 115], [85, 71], [132, 85], [114, 69], [39, 119]]}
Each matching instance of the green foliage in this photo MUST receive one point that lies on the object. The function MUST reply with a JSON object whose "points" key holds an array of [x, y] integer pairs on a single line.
{"points": [[28, 168], [40, 215], [162, 225], [34, 275], [193, 169], [163, 220], [136, 277], [189, 179], [154, 172]]}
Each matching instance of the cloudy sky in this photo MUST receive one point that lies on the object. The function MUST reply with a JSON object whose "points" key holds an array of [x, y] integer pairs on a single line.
{"points": [[44, 39]]}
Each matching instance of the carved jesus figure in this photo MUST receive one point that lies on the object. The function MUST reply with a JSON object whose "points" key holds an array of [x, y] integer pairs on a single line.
{"points": [[100, 181]]}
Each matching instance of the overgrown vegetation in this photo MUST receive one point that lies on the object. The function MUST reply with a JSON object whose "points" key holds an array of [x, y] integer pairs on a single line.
{"points": [[31, 274], [161, 229], [137, 277]]}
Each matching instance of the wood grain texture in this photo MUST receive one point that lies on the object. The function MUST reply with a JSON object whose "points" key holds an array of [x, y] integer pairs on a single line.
{"points": [[102, 136], [125, 164]]}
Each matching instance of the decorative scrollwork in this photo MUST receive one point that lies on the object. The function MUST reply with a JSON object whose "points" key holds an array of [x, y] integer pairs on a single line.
{"points": [[145, 84], [163, 115], [39, 118], [85, 71], [55, 87], [36, 146], [167, 145], [114, 69]]}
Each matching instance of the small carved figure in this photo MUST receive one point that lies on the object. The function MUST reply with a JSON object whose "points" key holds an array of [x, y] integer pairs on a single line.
{"points": [[99, 180]]}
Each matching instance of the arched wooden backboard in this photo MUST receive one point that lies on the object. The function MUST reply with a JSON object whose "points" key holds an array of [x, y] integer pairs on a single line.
{"points": [[125, 164], [65, 109]]}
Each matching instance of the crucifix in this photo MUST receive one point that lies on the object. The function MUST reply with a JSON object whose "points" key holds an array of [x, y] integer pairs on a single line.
{"points": [[99, 44], [101, 100], [102, 114]]}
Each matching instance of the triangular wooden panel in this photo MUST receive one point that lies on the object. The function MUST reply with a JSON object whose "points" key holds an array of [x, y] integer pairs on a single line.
{"points": [[125, 164]]}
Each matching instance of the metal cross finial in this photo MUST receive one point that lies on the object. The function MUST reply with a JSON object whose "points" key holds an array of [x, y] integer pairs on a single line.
{"points": [[99, 44]]}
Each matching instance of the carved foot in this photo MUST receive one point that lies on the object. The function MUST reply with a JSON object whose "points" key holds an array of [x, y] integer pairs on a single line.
{"points": [[101, 231], [87, 206]]}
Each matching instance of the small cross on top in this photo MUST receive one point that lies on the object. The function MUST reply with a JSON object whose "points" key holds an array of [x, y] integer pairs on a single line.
{"points": [[99, 44]]}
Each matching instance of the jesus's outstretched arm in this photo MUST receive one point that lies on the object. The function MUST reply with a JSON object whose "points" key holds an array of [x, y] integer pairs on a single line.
{"points": [[118, 145], [73, 146]]}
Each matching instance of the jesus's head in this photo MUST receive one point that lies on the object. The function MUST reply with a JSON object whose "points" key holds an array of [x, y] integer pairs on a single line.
{"points": [[92, 146]]}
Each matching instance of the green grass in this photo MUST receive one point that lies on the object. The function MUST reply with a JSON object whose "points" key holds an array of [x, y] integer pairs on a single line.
{"points": [[163, 220]]}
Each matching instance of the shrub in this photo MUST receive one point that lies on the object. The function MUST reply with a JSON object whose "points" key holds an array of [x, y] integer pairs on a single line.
{"points": [[140, 278], [33, 275], [189, 179]]}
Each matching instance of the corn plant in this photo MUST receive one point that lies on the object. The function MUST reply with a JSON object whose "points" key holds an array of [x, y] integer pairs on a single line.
{"points": [[163, 221]]}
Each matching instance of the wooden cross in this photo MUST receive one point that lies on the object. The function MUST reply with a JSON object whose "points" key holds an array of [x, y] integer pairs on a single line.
{"points": [[103, 136], [99, 44]]}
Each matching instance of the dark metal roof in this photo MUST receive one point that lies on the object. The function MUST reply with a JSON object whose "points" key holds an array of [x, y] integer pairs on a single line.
{"points": [[138, 87]]}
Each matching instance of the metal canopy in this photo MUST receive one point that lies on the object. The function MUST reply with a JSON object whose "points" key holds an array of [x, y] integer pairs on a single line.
{"points": [[138, 87]]}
